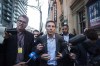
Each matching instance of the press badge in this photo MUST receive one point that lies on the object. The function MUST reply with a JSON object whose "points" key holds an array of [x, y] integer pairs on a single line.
{"points": [[20, 50]]}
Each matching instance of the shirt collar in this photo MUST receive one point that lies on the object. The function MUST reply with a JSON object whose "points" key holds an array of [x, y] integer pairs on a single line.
{"points": [[52, 37], [67, 34]]}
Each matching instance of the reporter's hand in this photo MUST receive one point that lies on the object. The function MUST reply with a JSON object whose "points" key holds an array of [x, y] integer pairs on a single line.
{"points": [[7, 35], [59, 56], [39, 47], [21, 64], [45, 56]]}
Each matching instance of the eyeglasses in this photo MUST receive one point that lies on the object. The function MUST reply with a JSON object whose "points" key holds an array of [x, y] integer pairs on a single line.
{"points": [[22, 21]]}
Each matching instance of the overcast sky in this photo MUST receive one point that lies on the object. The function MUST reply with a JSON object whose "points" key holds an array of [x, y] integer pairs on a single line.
{"points": [[34, 15]]}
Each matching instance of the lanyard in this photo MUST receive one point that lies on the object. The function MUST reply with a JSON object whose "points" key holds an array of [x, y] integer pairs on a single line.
{"points": [[20, 40]]}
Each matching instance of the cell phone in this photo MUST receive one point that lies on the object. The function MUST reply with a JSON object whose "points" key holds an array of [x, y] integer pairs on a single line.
{"points": [[13, 31]]}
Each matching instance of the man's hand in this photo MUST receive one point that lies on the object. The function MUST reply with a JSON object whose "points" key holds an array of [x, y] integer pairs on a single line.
{"points": [[45, 56], [39, 47], [59, 56], [72, 56], [7, 35], [21, 64]]}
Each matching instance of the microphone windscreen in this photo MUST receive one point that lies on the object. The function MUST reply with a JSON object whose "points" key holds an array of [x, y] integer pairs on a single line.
{"points": [[33, 55]]}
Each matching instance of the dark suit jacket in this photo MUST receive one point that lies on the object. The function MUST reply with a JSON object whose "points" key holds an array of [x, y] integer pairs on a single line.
{"points": [[60, 47], [1, 54], [67, 61], [10, 49]]}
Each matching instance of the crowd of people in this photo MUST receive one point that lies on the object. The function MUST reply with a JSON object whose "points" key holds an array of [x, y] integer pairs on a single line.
{"points": [[52, 49]]}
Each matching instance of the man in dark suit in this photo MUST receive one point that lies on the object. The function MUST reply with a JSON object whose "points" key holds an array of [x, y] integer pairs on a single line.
{"points": [[52, 47], [17, 47], [66, 35]]}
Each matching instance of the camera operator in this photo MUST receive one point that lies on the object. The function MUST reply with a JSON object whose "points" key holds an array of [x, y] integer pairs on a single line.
{"points": [[86, 50], [17, 47], [73, 44]]}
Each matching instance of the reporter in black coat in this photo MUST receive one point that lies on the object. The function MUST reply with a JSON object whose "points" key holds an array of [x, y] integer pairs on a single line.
{"points": [[11, 45]]}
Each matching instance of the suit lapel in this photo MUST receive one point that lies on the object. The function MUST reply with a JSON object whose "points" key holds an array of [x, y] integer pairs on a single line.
{"points": [[57, 43], [56, 40]]}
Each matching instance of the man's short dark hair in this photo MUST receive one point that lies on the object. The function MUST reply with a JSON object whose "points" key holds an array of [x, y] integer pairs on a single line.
{"points": [[91, 34], [51, 22], [35, 31], [24, 16], [65, 25]]}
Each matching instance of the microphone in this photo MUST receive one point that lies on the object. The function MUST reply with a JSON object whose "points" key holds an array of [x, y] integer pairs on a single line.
{"points": [[33, 56]]}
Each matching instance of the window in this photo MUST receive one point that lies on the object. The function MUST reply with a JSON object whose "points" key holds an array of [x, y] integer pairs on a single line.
{"points": [[61, 1], [82, 20], [0, 12], [94, 14], [0, 5]]}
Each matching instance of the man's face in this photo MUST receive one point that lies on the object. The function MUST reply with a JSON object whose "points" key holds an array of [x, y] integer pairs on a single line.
{"points": [[65, 29], [36, 34], [50, 27], [21, 23]]}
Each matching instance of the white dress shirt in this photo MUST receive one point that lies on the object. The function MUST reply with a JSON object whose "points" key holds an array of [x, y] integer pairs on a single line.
{"points": [[51, 48]]}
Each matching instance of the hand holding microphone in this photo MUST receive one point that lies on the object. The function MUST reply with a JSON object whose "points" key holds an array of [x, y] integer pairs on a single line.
{"points": [[34, 55]]}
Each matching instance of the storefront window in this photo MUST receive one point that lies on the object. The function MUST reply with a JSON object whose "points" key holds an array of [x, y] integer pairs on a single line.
{"points": [[82, 20], [94, 14]]}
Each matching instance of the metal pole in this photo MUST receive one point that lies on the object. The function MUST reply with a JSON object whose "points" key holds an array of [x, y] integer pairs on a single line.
{"points": [[38, 3], [41, 25], [39, 9]]}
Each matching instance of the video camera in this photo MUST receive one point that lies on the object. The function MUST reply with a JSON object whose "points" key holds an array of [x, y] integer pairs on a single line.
{"points": [[77, 39]]}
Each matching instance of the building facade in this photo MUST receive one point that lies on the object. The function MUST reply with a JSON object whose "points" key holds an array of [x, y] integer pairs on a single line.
{"points": [[20, 7], [86, 14], [10, 10], [0, 10], [79, 14], [54, 12]]}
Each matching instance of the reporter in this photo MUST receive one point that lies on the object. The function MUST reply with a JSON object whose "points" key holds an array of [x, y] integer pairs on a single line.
{"points": [[17, 47]]}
